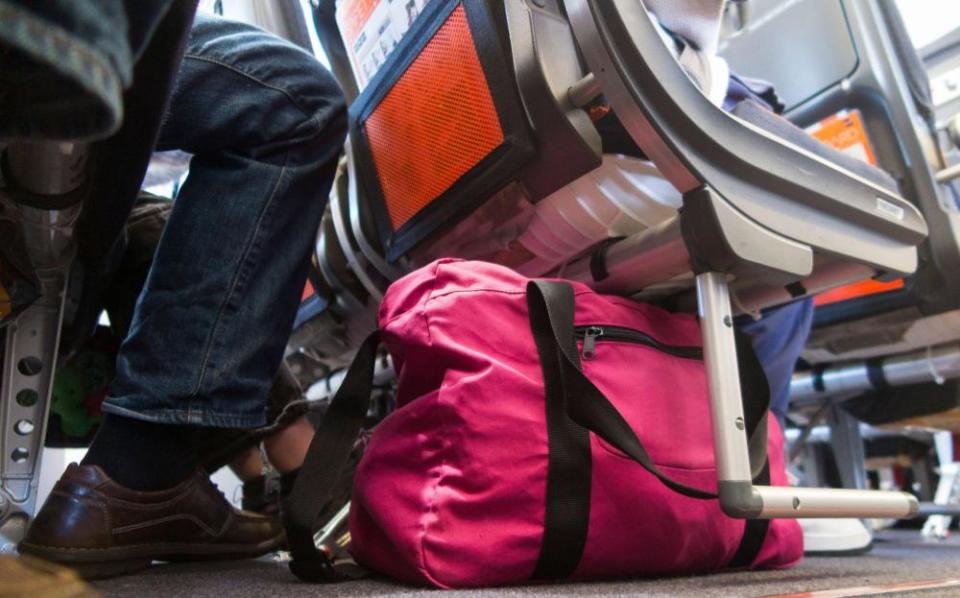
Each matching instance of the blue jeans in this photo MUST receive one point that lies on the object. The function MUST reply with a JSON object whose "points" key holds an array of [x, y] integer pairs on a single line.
{"points": [[88, 50], [265, 123]]}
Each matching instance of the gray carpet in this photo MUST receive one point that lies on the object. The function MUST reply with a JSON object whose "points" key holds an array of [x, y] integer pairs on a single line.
{"points": [[897, 557]]}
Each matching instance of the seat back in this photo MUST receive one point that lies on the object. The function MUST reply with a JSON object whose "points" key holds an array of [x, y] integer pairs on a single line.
{"points": [[466, 119], [862, 87], [470, 101], [495, 119], [768, 180]]}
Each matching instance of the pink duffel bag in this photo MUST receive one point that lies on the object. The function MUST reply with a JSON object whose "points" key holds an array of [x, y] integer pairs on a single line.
{"points": [[542, 431]]}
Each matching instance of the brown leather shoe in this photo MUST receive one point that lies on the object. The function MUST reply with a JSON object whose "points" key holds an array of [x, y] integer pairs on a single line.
{"points": [[101, 529]]}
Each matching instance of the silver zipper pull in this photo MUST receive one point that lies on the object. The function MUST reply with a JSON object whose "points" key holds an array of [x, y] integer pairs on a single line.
{"points": [[590, 342]]}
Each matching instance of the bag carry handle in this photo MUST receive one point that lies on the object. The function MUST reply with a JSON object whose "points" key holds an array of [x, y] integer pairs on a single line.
{"points": [[551, 307], [323, 465], [575, 406]]}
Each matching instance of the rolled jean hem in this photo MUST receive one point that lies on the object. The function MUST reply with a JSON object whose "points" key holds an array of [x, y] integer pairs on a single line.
{"points": [[193, 417], [65, 55]]}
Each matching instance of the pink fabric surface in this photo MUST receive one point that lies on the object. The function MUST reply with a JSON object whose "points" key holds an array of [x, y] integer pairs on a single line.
{"points": [[451, 491]]}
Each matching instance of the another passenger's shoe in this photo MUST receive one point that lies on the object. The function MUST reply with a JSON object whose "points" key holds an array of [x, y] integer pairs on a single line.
{"points": [[262, 495], [101, 529], [835, 537]]}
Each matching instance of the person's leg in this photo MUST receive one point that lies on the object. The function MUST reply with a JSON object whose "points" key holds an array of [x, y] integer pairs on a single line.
{"points": [[778, 340], [248, 465], [285, 441], [287, 448], [265, 122], [285, 451]]}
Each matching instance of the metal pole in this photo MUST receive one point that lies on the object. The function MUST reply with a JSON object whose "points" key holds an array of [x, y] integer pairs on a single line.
{"points": [[934, 364], [47, 172], [720, 358], [948, 174], [738, 496], [652, 260]]}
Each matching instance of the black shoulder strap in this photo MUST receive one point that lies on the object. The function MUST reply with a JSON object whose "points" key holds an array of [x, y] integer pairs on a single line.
{"points": [[569, 462], [755, 392], [328, 454], [551, 319], [575, 405]]}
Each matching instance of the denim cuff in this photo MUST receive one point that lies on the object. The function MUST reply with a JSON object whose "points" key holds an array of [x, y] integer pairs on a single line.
{"points": [[75, 94], [189, 416]]}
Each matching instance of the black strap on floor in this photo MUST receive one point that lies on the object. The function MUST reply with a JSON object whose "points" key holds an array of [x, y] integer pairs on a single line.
{"points": [[754, 531], [755, 392], [573, 401], [328, 454]]}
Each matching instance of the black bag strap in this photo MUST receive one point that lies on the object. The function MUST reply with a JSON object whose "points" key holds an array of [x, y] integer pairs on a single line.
{"points": [[323, 465], [755, 393], [754, 530], [569, 462], [575, 406]]}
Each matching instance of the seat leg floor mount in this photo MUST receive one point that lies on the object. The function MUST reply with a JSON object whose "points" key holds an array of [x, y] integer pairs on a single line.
{"points": [[33, 338], [739, 497]]}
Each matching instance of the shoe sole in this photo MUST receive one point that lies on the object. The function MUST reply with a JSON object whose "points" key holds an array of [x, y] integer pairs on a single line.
{"points": [[101, 563]]}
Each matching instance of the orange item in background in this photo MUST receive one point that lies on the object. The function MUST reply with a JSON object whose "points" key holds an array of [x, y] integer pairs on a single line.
{"points": [[436, 123], [856, 290], [845, 132], [354, 15], [308, 291]]}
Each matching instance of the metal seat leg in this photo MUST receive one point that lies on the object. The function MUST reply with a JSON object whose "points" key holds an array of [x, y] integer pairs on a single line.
{"points": [[848, 452], [948, 489], [32, 340], [29, 363], [739, 497]]}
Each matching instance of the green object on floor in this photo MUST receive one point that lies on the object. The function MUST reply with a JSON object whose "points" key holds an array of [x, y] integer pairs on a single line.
{"points": [[78, 390]]}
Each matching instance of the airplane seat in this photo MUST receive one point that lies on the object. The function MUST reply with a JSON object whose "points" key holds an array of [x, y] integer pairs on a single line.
{"points": [[466, 120], [412, 229], [863, 88], [482, 112]]}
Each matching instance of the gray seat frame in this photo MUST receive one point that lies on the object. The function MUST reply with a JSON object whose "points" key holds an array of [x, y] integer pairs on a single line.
{"points": [[755, 207]]}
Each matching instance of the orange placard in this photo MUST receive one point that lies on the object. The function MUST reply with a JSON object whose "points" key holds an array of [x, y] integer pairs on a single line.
{"points": [[436, 123], [845, 132]]}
